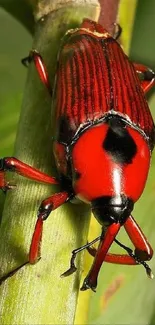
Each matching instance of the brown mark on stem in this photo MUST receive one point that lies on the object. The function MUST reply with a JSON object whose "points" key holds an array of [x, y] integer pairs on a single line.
{"points": [[113, 287]]}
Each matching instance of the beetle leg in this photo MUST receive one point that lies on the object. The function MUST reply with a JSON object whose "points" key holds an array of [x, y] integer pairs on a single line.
{"points": [[148, 75], [48, 205], [15, 165], [143, 251], [11, 273], [116, 258], [117, 32], [107, 238], [73, 268], [35, 56]]}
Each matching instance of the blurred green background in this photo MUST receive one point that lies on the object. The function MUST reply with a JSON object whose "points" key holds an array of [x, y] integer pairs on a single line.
{"points": [[124, 295], [16, 42]]}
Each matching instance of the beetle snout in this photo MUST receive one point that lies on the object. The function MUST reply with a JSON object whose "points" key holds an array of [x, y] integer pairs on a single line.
{"points": [[108, 210]]}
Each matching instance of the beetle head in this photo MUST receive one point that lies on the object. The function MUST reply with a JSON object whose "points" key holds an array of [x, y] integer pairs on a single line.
{"points": [[108, 210]]}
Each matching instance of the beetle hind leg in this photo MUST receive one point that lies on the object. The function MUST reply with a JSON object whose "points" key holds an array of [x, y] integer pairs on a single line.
{"points": [[148, 76], [35, 56], [117, 32]]}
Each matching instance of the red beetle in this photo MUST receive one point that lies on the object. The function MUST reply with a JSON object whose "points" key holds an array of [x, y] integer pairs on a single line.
{"points": [[104, 137]]}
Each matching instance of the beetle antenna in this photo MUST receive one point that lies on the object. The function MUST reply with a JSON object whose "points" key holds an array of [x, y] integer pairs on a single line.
{"points": [[137, 259]]}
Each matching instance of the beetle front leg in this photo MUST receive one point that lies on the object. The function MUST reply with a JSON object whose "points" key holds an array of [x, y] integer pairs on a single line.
{"points": [[46, 207], [107, 238], [73, 268], [143, 251], [148, 75], [14, 165], [35, 56], [123, 259]]}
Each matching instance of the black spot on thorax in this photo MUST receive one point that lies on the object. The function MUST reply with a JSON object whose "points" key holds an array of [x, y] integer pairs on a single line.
{"points": [[63, 132], [119, 143]]}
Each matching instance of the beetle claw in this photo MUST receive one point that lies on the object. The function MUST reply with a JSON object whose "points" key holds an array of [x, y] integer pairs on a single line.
{"points": [[92, 250], [149, 273], [88, 285], [8, 186], [70, 271]]}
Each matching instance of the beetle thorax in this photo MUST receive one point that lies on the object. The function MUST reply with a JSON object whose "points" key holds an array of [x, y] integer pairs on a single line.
{"points": [[106, 160]]}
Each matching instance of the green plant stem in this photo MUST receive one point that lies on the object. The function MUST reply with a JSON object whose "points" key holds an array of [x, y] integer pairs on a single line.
{"points": [[36, 294]]}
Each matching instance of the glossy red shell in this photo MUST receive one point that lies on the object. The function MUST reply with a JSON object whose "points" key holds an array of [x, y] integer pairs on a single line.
{"points": [[95, 79], [95, 82], [100, 174]]}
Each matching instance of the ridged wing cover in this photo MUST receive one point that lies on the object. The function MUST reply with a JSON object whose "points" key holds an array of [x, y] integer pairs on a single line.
{"points": [[95, 79]]}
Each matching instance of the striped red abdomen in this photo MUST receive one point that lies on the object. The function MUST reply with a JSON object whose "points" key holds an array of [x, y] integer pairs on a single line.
{"points": [[94, 79]]}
